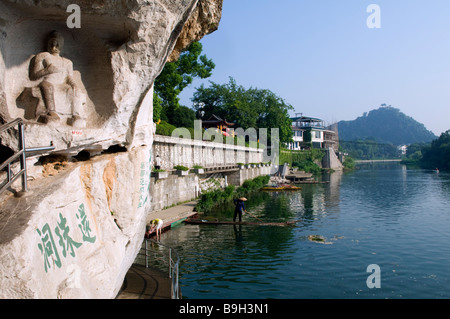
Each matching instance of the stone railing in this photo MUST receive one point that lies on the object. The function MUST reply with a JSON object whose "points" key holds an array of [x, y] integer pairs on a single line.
{"points": [[188, 152]]}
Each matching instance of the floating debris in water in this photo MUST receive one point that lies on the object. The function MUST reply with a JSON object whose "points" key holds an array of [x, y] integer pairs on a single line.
{"points": [[322, 240], [318, 239]]}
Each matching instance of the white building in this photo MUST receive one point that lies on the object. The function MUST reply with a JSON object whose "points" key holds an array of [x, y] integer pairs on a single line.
{"points": [[403, 149], [321, 137]]}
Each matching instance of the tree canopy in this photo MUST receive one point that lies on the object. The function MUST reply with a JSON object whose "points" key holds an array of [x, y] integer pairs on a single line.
{"points": [[430, 155], [437, 155], [247, 108], [175, 77], [369, 149]]}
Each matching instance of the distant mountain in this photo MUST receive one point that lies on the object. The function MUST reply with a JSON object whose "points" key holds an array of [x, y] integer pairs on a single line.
{"points": [[385, 125]]}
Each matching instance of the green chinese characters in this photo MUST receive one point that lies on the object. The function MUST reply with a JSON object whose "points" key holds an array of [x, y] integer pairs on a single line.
{"points": [[66, 244]]}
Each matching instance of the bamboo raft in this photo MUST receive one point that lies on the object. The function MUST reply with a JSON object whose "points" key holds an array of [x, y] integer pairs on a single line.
{"points": [[217, 222], [281, 188]]}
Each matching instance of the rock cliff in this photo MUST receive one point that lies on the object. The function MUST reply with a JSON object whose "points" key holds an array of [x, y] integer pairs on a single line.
{"points": [[85, 91]]}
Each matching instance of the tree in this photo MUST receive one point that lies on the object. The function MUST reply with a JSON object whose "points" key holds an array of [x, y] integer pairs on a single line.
{"points": [[184, 117], [437, 155], [247, 108], [176, 76]]}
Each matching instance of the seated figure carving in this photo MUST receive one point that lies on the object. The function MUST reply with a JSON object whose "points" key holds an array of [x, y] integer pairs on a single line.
{"points": [[55, 74]]}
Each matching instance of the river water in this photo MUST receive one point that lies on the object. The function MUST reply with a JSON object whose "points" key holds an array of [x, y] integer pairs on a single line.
{"points": [[379, 214]]}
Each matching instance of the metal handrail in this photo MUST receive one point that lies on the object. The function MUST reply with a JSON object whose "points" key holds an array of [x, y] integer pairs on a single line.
{"points": [[20, 155], [172, 261], [11, 178]]}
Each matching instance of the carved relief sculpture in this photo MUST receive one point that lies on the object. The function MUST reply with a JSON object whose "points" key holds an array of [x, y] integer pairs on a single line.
{"points": [[58, 90]]}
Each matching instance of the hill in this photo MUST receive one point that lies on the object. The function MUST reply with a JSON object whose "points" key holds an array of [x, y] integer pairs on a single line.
{"points": [[385, 125]]}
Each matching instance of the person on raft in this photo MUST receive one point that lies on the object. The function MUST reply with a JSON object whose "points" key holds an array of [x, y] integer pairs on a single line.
{"points": [[240, 208]]}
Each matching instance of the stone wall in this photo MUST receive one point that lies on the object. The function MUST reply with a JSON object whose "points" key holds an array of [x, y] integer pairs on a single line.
{"points": [[173, 190], [177, 189], [239, 177], [331, 160]]}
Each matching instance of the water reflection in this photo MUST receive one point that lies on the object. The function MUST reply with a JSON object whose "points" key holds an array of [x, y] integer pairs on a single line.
{"points": [[235, 255], [360, 214], [385, 190]]}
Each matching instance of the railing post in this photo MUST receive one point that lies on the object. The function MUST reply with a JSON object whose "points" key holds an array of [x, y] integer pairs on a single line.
{"points": [[173, 265], [170, 262], [8, 173], [146, 253], [23, 161]]}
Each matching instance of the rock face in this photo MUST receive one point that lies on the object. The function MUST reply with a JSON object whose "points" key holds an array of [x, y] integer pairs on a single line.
{"points": [[75, 234], [77, 231], [115, 55]]}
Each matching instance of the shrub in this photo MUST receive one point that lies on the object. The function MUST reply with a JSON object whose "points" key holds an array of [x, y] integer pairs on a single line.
{"points": [[181, 168], [349, 163], [308, 166], [164, 128], [211, 199]]}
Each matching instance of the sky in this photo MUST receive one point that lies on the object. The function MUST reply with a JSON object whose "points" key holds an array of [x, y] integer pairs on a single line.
{"points": [[321, 57]]}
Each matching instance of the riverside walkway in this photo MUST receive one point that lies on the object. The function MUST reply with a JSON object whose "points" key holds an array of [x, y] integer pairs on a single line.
{"points": [[151, 283], [145, 283], [174, 215]]}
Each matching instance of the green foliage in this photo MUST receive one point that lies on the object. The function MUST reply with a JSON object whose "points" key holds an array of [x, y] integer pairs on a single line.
{"points": [[184, 117], [386, 125], [291, 156], [181, 168], [252, 185], [308, 166], [210, 200], [164, 128], [414, 154], [376, 134], [247, 108], [349, 163], [176, 76], [437, 155], [430, 155], [214, 198], [157, 108], [369, 149], [305, 160]]}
